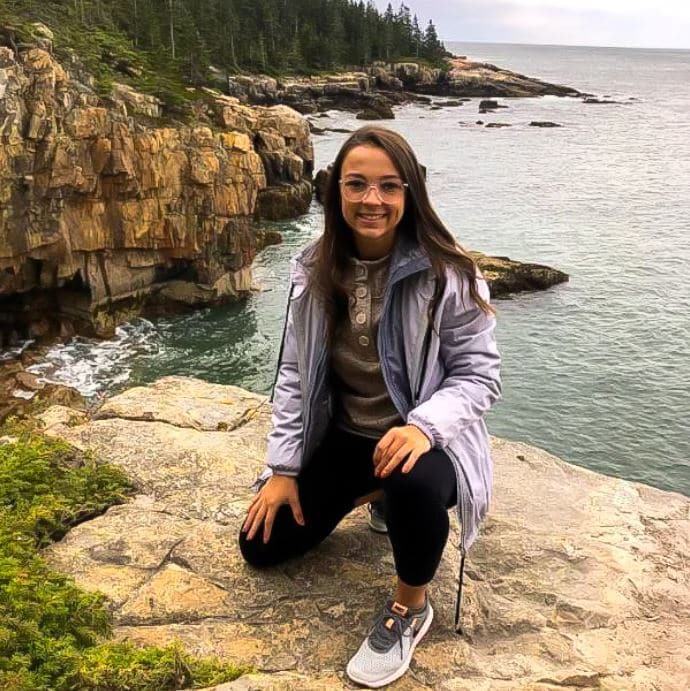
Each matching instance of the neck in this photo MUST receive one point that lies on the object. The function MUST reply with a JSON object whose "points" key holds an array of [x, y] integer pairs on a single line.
{"points": [[374, 249]]}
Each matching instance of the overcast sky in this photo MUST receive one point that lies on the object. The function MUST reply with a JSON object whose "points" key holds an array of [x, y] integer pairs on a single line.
{"points": [[635, 23]]}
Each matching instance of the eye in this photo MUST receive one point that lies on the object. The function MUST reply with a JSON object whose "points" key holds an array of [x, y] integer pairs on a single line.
{"points": [[355, 186], [390, 187]]}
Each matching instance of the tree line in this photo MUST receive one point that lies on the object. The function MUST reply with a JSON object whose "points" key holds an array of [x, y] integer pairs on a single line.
{"points": [[265, 35]]}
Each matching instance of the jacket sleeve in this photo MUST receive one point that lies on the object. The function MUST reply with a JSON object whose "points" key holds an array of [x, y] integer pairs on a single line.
{"points": [[284, 455], [471, 363]]}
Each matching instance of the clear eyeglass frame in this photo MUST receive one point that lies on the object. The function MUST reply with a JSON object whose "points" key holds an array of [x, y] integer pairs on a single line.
{"points": [[387, 196]]}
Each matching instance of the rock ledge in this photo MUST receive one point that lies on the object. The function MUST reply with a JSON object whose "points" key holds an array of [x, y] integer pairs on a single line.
{"points": [[578, 580]]}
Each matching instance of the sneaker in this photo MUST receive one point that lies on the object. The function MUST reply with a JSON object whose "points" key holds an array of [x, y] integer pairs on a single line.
{"points": [[386, 652], [377, 517]]}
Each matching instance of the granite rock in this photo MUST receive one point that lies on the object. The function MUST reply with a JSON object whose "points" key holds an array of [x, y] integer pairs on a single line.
{"points": [[103, 202], [577, 580]]}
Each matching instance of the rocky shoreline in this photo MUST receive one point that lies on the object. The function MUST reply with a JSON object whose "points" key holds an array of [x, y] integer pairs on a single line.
{"points": [[578, 580], [109, 211], [373, 92]]}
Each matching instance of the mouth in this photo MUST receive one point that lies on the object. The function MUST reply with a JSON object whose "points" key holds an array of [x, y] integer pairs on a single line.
{"points": [[371, 217]]}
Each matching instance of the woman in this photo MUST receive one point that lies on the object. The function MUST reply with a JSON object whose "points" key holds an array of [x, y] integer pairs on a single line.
{"points": [[387, 365]]}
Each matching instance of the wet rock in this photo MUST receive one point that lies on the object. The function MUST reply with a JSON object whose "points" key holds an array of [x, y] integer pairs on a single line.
{"points": [[381, 113], [506, 276], [544, 123], [29, 381], [601, 101], [577, 579], [498, 124], [487, 106]]}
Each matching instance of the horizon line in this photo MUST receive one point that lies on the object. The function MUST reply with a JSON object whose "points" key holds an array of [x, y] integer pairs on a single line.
{"points": [[562, 45]]}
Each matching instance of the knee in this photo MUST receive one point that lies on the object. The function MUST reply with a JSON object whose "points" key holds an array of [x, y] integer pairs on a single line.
{"points": [[412, 486], [255, 552], [406, 486]]}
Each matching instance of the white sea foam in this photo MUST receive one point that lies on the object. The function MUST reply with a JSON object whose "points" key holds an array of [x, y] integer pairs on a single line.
{"points": [[15, 352], [93, 366]]}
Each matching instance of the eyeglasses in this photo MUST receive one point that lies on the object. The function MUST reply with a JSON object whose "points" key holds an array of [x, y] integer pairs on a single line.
{"points": [[389, 191]]}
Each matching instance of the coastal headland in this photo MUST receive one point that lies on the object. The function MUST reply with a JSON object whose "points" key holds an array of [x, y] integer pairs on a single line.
{"points": [[578, 580], [109, 209]]}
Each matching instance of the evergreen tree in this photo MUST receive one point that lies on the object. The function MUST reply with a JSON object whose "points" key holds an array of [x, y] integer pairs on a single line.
{"points": [[191, 35]]}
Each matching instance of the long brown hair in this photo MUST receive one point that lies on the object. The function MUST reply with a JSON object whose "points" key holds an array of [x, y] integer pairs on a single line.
{"points": [[419, 222]]}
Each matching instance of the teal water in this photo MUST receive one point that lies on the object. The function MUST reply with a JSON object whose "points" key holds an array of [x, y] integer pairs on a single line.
{"points": [[597, 371]]}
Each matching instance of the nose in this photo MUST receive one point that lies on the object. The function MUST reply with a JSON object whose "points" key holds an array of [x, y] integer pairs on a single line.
{"points": [[368, 192]]}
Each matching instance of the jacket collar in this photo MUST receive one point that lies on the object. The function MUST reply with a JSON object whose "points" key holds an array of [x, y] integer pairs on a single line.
{"points": [[408, 257]]}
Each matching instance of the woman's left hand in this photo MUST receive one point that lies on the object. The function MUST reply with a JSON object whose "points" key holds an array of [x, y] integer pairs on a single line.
{"points": [[397, 444]]}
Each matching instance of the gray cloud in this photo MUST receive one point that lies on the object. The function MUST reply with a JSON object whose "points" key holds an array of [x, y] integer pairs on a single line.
{"points": [[512, 21]]}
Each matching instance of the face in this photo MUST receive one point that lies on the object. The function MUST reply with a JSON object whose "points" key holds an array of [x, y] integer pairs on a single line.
{"points": [[372, 220]]}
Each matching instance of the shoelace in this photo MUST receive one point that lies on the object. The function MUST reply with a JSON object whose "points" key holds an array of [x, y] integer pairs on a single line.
{"points": [[384, 638]]}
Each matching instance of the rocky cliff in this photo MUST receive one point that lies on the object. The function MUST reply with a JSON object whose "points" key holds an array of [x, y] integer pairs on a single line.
{"points": [[107, 209], [577, 580]]}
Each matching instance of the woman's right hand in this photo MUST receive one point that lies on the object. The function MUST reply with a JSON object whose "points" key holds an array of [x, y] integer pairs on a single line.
{"points": [[278, 490]]}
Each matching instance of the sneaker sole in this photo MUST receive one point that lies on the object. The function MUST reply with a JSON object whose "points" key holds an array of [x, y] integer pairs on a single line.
{"points": [[406, 662]]}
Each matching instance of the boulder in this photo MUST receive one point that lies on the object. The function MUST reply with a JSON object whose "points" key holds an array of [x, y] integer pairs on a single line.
{"points": [[381, 113], [506, 276], [544, 123], [487, 104], [577, 580]]}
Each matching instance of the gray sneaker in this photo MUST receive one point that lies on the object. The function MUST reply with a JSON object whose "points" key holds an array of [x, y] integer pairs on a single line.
{"points": [[386, 652], [377, 517]]}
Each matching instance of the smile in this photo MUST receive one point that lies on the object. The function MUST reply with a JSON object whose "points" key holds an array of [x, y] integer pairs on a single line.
{"points": [[371, 217]]}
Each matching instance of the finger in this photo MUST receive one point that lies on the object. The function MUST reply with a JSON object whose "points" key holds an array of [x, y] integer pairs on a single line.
{"points": [[412, 460], [390, 453], [253, 508], [390, 447], [268, 523], [395, 461], [382, 445], [297, 510], [256, 523]]}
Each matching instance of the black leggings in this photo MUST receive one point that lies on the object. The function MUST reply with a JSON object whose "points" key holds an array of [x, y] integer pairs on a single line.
{"points": [[342, 471]]}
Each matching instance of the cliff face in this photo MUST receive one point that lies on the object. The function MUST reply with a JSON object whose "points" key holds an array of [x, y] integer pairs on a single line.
{"points": [[105, 211]]}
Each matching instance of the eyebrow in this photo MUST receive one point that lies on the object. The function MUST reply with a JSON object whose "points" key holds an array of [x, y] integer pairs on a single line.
{"points": [[383, 177]]}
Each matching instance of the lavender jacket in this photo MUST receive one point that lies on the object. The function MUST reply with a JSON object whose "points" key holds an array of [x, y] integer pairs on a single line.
{"points": [[441, 377]]}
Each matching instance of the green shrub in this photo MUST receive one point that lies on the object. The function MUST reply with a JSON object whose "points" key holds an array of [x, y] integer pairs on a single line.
{"points": [[51, 632]]}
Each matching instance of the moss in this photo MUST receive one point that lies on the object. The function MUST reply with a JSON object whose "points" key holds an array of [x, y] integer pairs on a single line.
{"points": [[52, 634]]}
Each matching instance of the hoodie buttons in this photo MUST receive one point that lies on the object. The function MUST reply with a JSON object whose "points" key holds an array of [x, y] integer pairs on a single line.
{"points": [[361, 318], [364, 341]]}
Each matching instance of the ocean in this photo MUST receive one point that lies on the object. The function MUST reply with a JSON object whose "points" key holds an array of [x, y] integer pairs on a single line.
{"points": [[597, 370]]}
